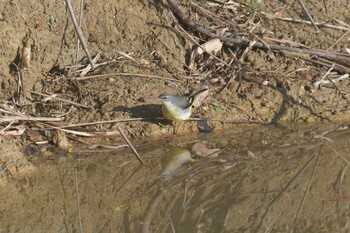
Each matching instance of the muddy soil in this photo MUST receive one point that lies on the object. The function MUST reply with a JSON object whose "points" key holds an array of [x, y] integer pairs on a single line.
{"points": [[270, 87]]}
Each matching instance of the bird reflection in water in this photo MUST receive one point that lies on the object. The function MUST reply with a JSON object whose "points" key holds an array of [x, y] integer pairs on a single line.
{"points": [[175, 161]]}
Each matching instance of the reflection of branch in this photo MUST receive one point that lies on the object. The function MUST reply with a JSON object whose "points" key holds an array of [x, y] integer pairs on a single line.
{"points": [[151, 210], [284, 189], [240, 42], [306, 192], [77, 199], [127, 180]]}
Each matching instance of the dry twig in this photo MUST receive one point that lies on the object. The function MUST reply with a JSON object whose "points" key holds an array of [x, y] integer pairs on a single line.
{"points": [[79, 32], [131, 146], [126, 74], [28, 118], [325, 25], [54, 96], [308, 15]]}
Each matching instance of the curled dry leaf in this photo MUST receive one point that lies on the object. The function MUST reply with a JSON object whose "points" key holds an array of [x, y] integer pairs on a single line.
{"points": [[25, 56], [211, 46], [37, 137], [201, 150], [347, 50]]}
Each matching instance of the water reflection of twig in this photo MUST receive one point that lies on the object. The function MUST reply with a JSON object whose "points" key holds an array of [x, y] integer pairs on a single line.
{"points": [[150, 211], [128, 179], [340, 155], [284, 189], [306, 191], [77, 198]]}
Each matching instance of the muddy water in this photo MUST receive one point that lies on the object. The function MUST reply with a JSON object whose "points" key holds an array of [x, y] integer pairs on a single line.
{"points": [[265, 179]]}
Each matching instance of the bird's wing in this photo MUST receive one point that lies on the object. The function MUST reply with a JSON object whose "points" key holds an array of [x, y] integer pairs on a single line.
{"points": [[183, 101]]}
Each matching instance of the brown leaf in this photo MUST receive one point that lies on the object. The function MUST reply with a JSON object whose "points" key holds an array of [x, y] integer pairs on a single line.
{"points": [[201, 150], [25, 56], [211, 46]]}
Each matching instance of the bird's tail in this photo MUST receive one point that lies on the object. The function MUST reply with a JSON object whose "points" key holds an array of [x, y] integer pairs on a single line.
{"points": [[197, 97]]}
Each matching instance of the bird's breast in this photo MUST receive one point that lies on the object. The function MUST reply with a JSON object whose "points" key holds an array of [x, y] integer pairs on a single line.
{"points": [[175, 113]]}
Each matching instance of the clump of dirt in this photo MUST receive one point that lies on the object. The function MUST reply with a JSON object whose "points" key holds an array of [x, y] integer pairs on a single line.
{"points": [[146, 50], [12, 161]]}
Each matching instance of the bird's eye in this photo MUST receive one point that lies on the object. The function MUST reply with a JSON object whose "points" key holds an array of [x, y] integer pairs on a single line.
{"points": [[164, 97]]}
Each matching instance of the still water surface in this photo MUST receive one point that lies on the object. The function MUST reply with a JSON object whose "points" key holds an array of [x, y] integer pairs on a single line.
{"points": [[265, 179]]}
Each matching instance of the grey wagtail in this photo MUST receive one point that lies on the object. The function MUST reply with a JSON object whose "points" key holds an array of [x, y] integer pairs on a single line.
{"points": [[178, 107]]}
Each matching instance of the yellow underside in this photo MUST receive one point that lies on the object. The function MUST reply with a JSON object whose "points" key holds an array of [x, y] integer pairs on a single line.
{"points": [[175, 113]]}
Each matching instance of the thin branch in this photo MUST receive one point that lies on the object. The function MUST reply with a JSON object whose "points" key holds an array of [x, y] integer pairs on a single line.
{"points": [[340, 38], [28, 118], [308, 15], [325, 25], [63, 100], [84, 134], [105, 122], [78, 41], [79, 32], [131, 146], [126, 74], [316, 84]]}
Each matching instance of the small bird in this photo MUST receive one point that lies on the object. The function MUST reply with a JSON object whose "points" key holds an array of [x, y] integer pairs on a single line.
{"points": [[179, 107]]}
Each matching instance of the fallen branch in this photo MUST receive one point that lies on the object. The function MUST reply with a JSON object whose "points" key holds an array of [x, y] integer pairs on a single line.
{"points": [[342, 58]]}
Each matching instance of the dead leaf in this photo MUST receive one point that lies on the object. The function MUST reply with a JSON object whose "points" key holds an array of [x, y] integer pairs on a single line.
{"points": [[25, 55], [347, 50], [201, 150], [37, 137], [211, 46]]}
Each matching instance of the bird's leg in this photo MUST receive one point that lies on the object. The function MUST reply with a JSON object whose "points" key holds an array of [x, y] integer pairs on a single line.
{"points": [[174, 127]]}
